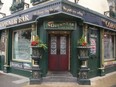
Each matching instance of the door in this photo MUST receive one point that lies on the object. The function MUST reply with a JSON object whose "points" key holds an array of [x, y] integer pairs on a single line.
{"points": [[58, 52]]}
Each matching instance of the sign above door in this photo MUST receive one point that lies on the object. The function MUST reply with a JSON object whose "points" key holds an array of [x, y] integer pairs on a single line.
{"points": [[59, 25]]}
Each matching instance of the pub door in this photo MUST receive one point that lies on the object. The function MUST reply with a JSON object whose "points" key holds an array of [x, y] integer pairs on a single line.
{"points": [[58, 52]]}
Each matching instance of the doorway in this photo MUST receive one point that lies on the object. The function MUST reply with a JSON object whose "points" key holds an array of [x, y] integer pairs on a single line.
{"points": [[59, 51]]}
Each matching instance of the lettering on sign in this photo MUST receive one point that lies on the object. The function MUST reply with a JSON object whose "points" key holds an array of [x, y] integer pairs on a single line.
{"points": [[14, 21], [60, 25], [109, 24], [72, 10]]}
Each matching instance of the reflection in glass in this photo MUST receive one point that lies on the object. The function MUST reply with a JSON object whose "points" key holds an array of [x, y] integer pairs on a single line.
{"points": [[21, 44]]}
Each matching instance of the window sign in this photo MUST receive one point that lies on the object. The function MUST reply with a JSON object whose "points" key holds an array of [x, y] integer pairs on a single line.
{"points": [[21, 45], [93, 46]]}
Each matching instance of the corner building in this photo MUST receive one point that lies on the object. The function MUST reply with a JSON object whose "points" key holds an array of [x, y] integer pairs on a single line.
{"points": [[60, 24]]}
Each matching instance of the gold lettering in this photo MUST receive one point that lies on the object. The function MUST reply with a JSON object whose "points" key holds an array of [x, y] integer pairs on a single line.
{"points": [[109, 24]]}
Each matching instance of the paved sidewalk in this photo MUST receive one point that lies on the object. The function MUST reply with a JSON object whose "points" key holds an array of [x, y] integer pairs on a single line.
{"points": [[12, 80], [109, 80]]}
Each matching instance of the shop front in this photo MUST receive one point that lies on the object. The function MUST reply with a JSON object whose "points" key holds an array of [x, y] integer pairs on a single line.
{"points": [[76, 39]]}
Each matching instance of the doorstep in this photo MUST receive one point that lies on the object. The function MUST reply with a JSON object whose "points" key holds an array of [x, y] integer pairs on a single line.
{"points": [[109, 80]]}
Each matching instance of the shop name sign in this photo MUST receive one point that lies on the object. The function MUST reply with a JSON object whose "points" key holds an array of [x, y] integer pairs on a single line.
{"points": [[109, 24], [66, 25], [16, 20]]}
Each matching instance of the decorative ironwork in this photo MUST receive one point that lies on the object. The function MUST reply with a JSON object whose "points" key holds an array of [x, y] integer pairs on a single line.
{"points": [[83, 52], [17, 5], [36, 71]]}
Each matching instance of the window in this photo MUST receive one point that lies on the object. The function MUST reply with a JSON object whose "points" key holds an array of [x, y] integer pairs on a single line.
{"points": [[21, 45], [109, 46]]}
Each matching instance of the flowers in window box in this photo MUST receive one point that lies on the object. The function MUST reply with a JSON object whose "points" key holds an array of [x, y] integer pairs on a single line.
{"points": [[82, 41], [37, 42], [34, 43], [42, 45]]}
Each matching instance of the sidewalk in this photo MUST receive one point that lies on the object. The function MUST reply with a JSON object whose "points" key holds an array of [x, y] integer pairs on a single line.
{"points": [[12, 80], [109, 80]]}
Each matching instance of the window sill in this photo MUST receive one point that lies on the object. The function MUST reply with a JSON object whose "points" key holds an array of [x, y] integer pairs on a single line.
{"points": [[107, 60]]}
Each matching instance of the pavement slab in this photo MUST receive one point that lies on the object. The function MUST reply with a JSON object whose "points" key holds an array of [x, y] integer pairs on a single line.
{"points": [[12, 80]]}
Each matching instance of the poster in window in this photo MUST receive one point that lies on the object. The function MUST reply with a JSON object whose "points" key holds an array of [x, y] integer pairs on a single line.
{"points": [[93, 46]]}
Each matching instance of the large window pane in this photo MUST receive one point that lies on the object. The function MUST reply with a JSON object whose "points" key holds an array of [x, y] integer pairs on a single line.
{"points": [[109, 46], [21, 45]]}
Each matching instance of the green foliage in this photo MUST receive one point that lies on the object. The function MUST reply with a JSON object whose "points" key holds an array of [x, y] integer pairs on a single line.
{"points": [[41, 44], [82, 41]]}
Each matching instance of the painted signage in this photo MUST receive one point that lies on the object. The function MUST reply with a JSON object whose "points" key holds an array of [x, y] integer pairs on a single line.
{"points": [[51, 8], [20, 65], [74, 11], [30, 16], [109, 24], [60, 25], [13, 21]]}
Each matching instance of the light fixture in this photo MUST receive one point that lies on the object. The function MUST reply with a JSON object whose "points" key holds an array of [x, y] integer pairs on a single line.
{"points": [[1, 4]]}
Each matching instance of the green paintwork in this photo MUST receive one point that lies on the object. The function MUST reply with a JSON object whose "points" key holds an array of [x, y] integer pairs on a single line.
{"points": [[43, 37], [94, 60], [20, 72], [110, 69], [1, 62], [74, 61]]}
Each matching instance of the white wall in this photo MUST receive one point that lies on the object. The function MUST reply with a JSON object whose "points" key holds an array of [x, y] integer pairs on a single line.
{"points": [[96, 5]]}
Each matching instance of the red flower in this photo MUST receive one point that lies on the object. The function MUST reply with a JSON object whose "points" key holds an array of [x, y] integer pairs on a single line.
{"points": [[84, 44], [34, 43]]}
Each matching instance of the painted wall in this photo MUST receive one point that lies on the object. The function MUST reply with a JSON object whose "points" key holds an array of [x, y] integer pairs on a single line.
{"points": [[96, 5]]}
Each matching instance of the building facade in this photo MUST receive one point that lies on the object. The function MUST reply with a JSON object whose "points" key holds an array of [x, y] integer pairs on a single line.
{"points": [[61, 25]]}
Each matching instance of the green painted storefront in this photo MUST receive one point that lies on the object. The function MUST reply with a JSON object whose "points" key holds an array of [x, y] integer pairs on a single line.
{"points": [[60, 11]]}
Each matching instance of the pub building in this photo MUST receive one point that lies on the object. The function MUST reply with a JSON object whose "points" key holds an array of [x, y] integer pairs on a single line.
{"points": [[78, 41]]}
